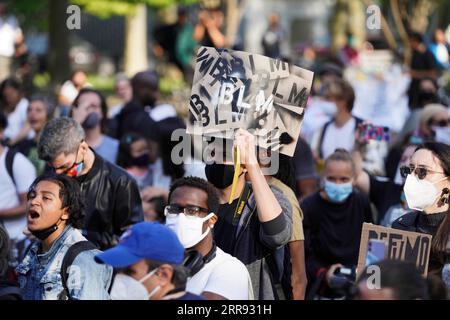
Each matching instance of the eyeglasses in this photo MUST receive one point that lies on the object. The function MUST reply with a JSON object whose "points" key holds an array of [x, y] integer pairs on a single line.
{"points": [[441, 123], [420, 172], [192, 211]]}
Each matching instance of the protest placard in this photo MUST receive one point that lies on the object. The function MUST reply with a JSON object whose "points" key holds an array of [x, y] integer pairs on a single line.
{"points": [[400, 245], [235, 89]]}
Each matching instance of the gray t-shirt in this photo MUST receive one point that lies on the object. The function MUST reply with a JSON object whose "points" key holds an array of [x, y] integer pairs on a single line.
{"points": [[108, 149]]}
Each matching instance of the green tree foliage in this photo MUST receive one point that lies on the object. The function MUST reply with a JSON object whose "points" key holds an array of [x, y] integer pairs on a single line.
{"points": [[31, 14], [106, 8]]}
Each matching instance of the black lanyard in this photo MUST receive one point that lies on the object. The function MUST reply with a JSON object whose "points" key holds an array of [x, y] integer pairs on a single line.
{"points": [[243, 199]]}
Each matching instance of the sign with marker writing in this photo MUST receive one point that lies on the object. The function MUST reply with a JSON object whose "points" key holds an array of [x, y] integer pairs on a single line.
{"points": [[235, 89], [400, 245]]}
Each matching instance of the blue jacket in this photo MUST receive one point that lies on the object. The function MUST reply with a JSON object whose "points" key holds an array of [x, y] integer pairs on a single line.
{"points": [[40, 278]]}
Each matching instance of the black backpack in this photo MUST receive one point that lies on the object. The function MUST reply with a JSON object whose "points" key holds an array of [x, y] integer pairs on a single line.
{"points": [[68, 259]]}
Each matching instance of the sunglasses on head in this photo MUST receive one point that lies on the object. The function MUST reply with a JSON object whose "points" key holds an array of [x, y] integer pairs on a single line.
{"points": [[420, 172]]}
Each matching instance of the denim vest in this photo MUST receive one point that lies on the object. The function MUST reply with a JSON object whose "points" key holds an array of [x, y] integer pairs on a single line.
{"points": [[39, 274]]}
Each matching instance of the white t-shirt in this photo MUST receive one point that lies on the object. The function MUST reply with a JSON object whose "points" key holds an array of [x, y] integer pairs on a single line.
{"points": [[317, 113], [442, 53], [161, 112], [24, 175], [17, 119], [334, 138], [69, 91], [9, 31], [115, 110], [224, 275]]}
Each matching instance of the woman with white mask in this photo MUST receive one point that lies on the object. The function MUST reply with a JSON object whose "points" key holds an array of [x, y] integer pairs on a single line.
{"points": [[427, 192]]}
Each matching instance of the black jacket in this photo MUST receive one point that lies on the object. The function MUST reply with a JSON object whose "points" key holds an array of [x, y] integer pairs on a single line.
{"points": [[112, 202], [423, 223], [259, 245]]}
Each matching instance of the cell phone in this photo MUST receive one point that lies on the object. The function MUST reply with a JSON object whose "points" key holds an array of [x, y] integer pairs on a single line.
{"points": [[376, 251], [368, 131]]}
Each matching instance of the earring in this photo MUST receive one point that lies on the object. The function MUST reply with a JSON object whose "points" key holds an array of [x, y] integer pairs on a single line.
{"points": [[444, 196]]}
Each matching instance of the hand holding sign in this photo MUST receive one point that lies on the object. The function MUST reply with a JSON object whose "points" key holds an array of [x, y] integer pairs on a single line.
{"points": [[245, 142]]}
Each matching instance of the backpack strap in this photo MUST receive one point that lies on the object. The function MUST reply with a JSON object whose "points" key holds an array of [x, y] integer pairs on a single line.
{"points": [[69, 258], [358, 121], [9, 160], [322, 136]]}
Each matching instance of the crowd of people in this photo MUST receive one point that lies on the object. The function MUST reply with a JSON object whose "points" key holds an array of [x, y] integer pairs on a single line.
{"points": [[93, 207]]}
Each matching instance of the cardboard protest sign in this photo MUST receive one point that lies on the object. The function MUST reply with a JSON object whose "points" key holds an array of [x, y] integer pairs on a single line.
{"points": [[400, 245], [235, 89]]}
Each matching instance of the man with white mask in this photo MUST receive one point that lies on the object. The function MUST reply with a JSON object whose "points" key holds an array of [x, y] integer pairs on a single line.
{"points": [[148, 262], [215, 274]]}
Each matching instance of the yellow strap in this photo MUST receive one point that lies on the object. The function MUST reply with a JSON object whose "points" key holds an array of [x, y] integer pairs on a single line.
{"points": [[237, 169]]}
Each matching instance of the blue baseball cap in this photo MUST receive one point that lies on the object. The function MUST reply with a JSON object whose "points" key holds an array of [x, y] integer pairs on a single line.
{"points": [[144, 240]]}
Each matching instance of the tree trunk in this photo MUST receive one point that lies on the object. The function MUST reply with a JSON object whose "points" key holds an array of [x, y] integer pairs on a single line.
{"points": [[136, 41], [395, 8], [58, 53]]}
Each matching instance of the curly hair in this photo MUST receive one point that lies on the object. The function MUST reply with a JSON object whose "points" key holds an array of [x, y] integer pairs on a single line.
{"points": [[69, 194], [199, 183]]}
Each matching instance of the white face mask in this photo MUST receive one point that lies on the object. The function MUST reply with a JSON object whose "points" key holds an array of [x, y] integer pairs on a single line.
{"points": [[127, 288], [442, 134], [420, 194], [188, 229], [328, 107], [156, 289]]}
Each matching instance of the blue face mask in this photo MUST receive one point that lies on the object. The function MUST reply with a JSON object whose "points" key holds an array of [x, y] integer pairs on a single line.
{"points": [[338, 192]]}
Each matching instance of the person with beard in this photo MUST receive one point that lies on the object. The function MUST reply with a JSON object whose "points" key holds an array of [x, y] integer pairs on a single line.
{"points": [[90, 110], [112, 198], [55, 212], [257, 225]]}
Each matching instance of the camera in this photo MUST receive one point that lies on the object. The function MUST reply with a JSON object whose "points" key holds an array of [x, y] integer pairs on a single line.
{"points": [[343, 280]]}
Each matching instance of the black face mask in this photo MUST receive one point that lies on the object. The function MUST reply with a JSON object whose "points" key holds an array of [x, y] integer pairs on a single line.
{"points": [[220, 175], [142, 161], [45, 233], [426, 97], [91, 121]]}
